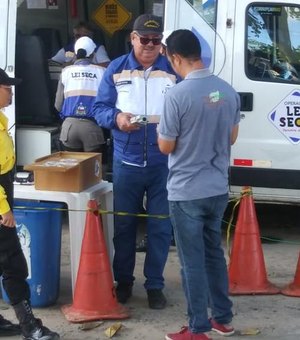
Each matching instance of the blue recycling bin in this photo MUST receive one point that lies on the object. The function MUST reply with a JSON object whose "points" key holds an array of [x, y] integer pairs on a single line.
{"points": [[39, 229]]}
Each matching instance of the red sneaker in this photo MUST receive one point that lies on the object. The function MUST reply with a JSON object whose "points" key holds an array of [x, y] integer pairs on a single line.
{"points": [[186, 334], [225, 330]]}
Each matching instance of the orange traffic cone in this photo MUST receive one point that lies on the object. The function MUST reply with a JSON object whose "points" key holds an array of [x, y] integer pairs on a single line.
{"points": [[94, 295], [247, 271], [293, 289]]}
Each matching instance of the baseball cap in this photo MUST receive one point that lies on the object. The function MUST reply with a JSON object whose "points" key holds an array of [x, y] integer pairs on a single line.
{"points": [[6, 80], [148, 24], [86, 44]]}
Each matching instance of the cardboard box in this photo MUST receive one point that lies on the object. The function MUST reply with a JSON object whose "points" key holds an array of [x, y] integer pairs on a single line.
{"points": [[66, 171]]}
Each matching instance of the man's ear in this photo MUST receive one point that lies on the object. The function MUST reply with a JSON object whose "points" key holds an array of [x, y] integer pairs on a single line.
{"points": [[177, 59], [131, 37]]}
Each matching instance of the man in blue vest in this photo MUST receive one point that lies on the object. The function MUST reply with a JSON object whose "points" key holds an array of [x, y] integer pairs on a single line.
{"points": [[129, 102]]}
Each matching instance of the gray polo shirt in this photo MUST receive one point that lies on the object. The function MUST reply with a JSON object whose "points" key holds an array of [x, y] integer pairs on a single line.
{"points": [[199, 113]]}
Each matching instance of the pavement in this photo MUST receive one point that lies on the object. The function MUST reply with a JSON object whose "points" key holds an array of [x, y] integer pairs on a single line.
{"points": [[264, 316]]}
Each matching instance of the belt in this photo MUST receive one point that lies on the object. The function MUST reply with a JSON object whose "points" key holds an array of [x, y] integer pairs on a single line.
{"points": [[82, 118]]}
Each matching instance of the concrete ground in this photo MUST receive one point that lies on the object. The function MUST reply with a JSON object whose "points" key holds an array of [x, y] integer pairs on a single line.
{"points": [[272, 317]]}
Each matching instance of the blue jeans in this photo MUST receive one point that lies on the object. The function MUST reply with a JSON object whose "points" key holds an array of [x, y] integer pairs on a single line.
{"points": [[130, 184], [197, 229]]}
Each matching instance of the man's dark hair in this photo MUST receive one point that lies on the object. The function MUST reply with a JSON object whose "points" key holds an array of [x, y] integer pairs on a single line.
{"points": [[86, 25], [185, 43], [81, 54]]}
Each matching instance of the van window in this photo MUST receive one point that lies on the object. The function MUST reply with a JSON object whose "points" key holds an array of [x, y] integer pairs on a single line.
{"points": [[273, 43], [207, 9], [3, 32]]}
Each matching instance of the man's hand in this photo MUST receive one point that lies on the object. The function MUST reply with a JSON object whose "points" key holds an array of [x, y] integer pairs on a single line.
{"points": [[8, 219], [123, 122]]}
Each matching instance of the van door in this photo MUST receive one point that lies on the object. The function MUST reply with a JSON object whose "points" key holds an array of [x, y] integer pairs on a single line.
{"points": [[8, 10], [266, 72], [201, 18]]}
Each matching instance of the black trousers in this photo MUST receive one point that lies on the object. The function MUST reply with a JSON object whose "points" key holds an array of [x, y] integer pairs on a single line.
{"points": [[13, 266]]}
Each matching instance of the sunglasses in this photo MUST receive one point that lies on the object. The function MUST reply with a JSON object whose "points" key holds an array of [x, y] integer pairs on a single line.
{"points": [[146, 41]]}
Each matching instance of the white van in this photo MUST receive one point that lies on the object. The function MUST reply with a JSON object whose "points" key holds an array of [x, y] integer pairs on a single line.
{"points": [[254, 46]]}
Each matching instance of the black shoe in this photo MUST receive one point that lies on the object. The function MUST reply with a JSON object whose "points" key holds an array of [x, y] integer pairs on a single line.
{"points": [[32, 328], [156, 299], [7, 328], [124, 291], [38, 332]]}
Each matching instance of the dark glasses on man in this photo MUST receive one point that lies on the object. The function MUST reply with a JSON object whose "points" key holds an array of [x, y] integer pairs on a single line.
{"points": [[146, 41]]}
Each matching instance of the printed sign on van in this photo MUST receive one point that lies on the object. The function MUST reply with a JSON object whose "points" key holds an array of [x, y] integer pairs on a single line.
{"points": [[111, 16], [286, 117]]}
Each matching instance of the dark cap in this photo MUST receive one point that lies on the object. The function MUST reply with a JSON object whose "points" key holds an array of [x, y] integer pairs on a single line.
{"points": [[148, 24], [6, 80]]}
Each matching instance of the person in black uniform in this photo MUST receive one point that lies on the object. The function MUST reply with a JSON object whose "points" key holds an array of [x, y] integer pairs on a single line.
{"points": [[13, 266]]}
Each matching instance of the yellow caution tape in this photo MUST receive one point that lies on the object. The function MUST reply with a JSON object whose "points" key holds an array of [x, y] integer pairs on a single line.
{"points": [[246, 191], [230, 224], [100, 211]]}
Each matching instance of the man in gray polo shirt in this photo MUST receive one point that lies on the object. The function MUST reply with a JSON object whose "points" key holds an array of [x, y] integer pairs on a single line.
{"points": [[197, 128]]}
